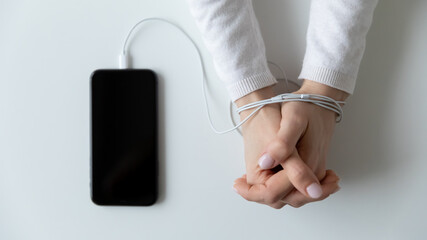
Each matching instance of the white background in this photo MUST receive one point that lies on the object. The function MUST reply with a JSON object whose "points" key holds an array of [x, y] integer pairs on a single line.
{"points": [[49, 48]]}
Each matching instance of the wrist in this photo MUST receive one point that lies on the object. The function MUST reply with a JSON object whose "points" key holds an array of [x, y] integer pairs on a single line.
{"points": [[260, 94], [318, 88]]}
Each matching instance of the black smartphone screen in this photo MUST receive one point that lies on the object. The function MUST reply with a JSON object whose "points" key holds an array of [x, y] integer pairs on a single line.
{"points": [[124, 137]]}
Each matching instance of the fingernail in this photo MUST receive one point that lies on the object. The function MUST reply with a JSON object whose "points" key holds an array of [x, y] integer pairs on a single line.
{"points": [[314, 190], [234, 189], [265, 161]]}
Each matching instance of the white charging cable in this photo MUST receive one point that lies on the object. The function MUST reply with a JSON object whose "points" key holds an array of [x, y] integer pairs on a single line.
{"points": [[123, 62], [319, 100]]}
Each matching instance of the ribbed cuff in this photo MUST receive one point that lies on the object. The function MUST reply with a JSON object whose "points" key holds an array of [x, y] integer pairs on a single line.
{"points": [[328, 77], [250, 84]]}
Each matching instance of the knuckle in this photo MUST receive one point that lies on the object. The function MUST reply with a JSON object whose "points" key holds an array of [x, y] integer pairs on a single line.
{"points": [[297, 171], [297, 204], [276, 206], [244, 196], [280, 148], [323, 197], [294, 118], [271, 198], [284, 143], [275, 145]]}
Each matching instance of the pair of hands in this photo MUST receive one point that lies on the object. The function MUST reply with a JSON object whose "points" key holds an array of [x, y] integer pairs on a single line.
{"points": [[285, 149]]}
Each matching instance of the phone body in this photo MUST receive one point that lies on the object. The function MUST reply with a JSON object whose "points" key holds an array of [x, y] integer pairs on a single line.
{"points": [[124, 135]]}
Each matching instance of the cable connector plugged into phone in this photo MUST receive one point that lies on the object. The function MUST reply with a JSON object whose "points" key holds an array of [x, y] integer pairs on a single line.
{"points": [[123, 61]]}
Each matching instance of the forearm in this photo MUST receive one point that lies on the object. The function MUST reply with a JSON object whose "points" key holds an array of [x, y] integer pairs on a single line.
{"points": [[231, 34], [336, 41]]}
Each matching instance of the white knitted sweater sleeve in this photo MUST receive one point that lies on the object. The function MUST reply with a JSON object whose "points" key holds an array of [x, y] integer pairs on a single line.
{"points": [[231, 33], [335, 42]]}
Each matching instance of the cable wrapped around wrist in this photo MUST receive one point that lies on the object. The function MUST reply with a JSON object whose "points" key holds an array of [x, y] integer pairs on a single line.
{"points": [[319, 100]]}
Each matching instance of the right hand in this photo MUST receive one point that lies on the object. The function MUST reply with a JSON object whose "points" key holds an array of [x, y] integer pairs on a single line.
{"points": [[272, 188]]}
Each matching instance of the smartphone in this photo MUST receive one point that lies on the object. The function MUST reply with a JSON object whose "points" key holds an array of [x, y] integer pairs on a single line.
{"points": [[124, 158]]}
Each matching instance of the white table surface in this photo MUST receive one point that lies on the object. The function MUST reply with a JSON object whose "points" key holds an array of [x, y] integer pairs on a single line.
{"points": [[48, 50]]}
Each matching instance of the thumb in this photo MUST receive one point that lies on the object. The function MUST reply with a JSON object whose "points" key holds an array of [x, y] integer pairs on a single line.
{"points": [[301, 176]]}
